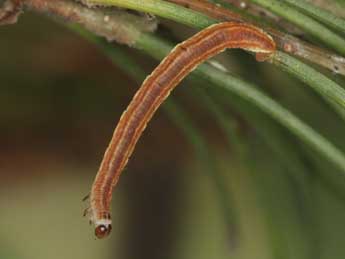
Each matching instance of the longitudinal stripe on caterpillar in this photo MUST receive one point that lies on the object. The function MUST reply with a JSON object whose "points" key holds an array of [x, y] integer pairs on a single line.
{"points": [[154, 90]]}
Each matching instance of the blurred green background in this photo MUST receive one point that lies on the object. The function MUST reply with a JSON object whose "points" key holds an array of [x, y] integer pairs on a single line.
{"points": [[60, 99]]}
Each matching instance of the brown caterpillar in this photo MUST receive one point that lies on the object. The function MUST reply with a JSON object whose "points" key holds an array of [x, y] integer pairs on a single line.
{"points": [[154, 90]]}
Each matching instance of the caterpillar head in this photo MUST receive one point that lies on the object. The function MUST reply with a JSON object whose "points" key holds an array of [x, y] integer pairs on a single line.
{"points": [[102, 228]]}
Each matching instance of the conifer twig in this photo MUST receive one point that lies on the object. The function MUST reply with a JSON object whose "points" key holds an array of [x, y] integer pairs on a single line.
{"points": [[285, 42]]}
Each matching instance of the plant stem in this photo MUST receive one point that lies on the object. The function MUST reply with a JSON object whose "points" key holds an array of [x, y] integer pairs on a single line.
{"points": [[331, 91], [163, 9], [319, 14], [285, 42], [334, 6], [308, 24]]}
